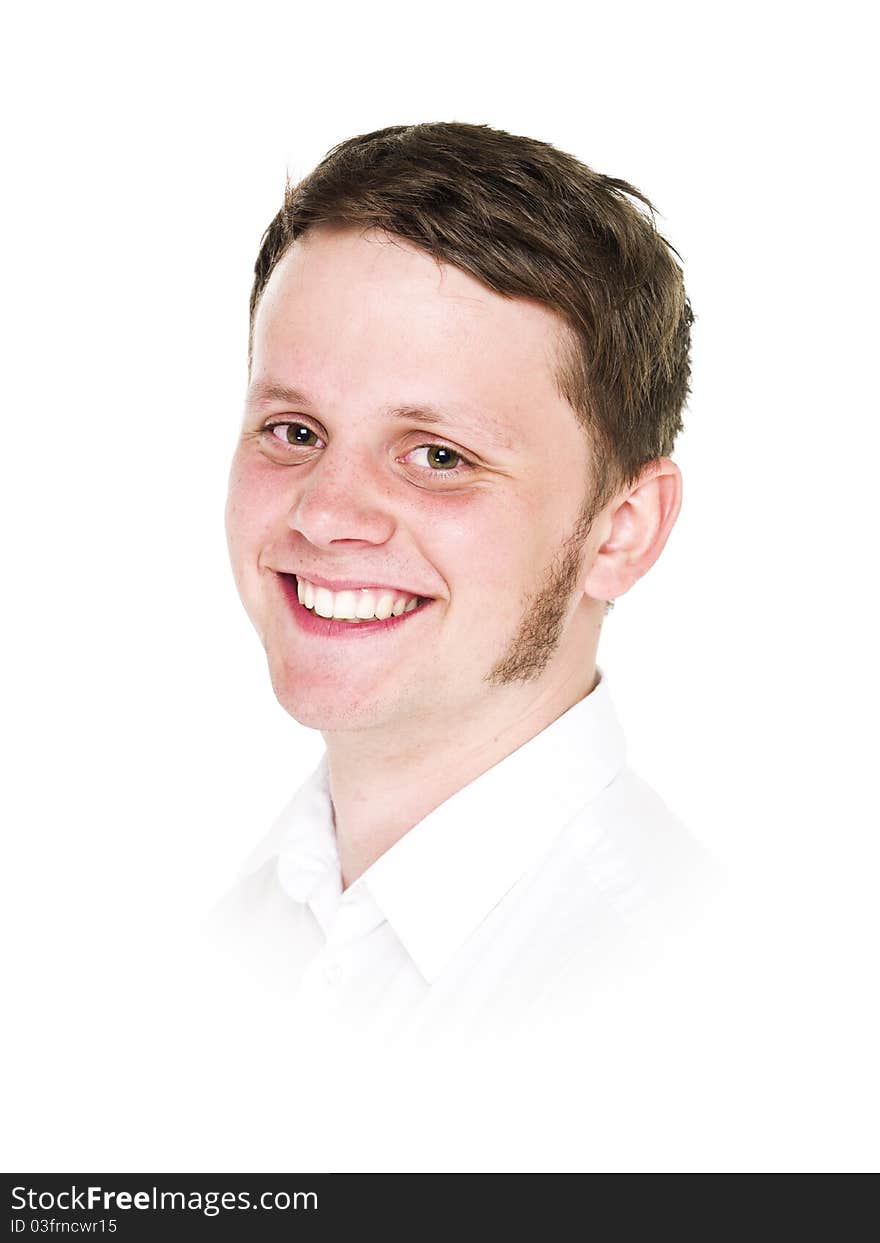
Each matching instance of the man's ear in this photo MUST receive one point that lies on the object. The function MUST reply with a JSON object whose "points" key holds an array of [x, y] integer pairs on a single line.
{"points": [[634, 529]]}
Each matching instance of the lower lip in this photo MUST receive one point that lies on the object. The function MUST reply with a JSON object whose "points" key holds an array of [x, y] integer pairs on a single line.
{"points": [[331, 628]]}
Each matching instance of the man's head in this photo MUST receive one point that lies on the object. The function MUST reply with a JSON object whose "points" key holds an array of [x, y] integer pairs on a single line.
{"points": [[466, 349], [528, 221]]}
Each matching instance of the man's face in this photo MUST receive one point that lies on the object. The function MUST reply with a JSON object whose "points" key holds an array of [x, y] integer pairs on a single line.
{"points": [[404, 437]]}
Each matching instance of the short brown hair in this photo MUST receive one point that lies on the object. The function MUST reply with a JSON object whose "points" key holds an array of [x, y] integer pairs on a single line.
{"points": [[529, 221]]}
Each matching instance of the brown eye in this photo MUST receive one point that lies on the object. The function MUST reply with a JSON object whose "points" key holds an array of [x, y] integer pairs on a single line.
{"points": [[438, 457], [294, 434], [442, 458]]}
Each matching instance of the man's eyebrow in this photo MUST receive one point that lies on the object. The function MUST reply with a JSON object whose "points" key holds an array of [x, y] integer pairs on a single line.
{"points": [[271, 390], [433, 416], [265, 391]]}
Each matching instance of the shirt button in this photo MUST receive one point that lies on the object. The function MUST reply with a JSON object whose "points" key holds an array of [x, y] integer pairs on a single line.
{"points": [[332, 974]]}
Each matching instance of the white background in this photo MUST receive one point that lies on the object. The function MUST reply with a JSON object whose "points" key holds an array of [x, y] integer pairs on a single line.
{"points": [[146, 152]]}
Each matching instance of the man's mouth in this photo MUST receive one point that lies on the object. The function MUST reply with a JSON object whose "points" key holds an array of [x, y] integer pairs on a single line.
{"points": [[353, 606]]}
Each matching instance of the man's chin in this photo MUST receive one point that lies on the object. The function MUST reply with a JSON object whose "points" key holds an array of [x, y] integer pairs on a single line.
{"points": [[324, 708]]}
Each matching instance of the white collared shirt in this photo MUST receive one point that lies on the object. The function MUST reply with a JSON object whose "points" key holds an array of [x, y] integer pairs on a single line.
{"points": [[511, 901]]}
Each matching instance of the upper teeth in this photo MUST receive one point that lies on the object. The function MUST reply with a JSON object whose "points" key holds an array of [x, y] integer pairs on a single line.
{"points": [[360, 605]]}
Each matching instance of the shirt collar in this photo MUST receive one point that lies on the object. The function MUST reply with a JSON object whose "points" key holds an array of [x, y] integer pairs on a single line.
{"points": [[303, 833], [438, 883]]}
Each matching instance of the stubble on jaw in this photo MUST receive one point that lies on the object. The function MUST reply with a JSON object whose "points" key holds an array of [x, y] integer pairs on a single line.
{"points": [[538, 634]]}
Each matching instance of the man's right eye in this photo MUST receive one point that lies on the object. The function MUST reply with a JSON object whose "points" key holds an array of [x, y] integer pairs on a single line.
{"points": [[293, 434]]}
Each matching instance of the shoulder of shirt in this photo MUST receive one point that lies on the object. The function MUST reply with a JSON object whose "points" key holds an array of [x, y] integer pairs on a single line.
{"points": [[638, 852]]}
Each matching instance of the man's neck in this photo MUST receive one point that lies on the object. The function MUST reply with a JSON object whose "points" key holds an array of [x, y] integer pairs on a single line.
{"points": [[382, 785]]}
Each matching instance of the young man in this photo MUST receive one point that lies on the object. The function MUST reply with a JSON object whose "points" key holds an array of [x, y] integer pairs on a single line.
{"points": [[468, 360]]}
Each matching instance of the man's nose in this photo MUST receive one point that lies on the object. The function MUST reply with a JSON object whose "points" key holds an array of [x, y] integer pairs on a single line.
{"points": [[342, 499]]}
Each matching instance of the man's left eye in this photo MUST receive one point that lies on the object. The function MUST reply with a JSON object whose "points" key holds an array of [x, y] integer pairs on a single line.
{"points": [[438, 457]]}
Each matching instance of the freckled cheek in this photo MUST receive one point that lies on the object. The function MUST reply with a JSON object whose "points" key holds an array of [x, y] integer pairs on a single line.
{"points": [[255, 505], [482, 551]]}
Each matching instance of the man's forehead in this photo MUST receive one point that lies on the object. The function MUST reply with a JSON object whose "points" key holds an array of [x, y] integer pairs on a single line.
{"points": [[331, 262], [420, 339]]}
